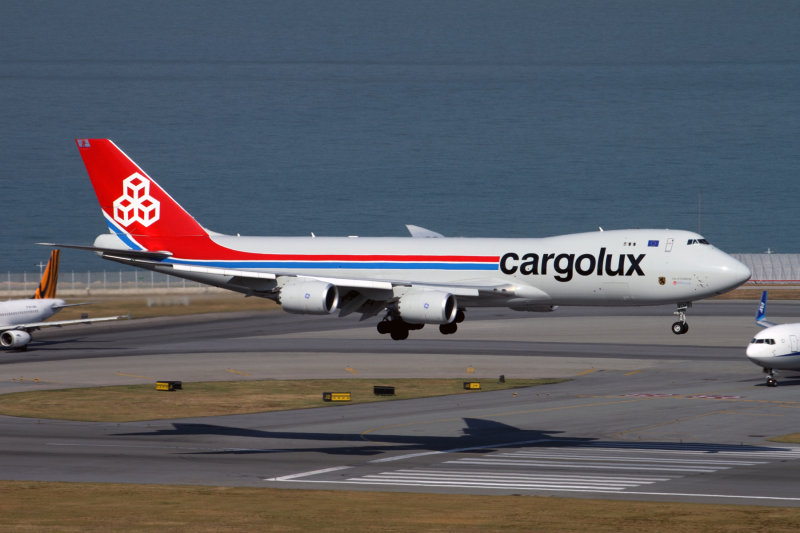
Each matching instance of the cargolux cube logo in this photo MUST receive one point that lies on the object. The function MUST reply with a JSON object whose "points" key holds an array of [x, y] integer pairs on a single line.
{"points": [[136, 204]]}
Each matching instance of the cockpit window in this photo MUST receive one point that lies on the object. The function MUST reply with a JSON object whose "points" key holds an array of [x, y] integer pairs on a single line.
{"points": [[697, 241], [763, 341]]}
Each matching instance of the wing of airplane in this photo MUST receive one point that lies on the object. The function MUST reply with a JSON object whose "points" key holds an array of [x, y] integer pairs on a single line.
{"points": [[32, 326], [17, 336]]}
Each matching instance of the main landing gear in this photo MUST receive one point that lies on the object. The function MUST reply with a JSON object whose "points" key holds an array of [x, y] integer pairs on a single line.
{"points": [[771, 381], [398, 329], [681, 326]]}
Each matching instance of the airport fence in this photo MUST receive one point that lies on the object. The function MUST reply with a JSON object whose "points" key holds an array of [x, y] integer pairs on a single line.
{"points": [[23, 284], [780, 269]]}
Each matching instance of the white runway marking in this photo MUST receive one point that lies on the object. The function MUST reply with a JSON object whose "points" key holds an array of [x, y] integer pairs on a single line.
{"points": [[306, 474], [609, 468]]}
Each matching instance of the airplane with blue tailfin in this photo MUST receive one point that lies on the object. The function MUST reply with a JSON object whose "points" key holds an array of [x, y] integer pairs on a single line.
{"points": [[777, 347]]}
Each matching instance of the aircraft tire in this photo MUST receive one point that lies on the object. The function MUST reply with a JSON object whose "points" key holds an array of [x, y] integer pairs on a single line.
{"points": [[399, 333], [448, 329], [679, 328]]}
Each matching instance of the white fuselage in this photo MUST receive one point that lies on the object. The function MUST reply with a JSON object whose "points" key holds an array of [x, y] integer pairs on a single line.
{"points": [[617, 267], [776, 347], [13, 312]]}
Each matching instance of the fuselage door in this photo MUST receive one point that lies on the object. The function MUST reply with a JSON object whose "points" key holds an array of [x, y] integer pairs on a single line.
{"points": [[668, 247], [793, 343]]}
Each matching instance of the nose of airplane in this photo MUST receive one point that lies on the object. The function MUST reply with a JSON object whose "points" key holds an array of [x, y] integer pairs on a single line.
{"points": [[751, 351], [731, 273], [756, 354]]}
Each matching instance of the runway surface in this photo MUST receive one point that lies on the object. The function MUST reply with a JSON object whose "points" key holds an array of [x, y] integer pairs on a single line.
{"points": [[647, 415]]}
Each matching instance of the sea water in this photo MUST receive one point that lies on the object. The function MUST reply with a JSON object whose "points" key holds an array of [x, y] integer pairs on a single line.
{"points": [[470, 118]]}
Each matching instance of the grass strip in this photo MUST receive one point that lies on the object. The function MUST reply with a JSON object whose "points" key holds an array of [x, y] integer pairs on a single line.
{"points": [[127, 403], [68, 507], [791, 438]]}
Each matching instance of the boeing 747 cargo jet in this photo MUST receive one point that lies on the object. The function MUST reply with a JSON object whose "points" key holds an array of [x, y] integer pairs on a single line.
{"points": [[19, 317], [411, 281]]}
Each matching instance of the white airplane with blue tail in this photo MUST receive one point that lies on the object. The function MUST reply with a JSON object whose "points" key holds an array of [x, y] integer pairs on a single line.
{"points": [[777, 347]]}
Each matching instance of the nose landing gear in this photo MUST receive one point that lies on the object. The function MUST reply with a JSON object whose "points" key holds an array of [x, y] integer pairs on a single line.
{"points": [[681, 326], [771, 381]]}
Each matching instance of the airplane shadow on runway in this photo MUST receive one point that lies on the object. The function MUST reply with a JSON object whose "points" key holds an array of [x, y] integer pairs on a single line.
{"points": [[485, 435], [479, 436]]}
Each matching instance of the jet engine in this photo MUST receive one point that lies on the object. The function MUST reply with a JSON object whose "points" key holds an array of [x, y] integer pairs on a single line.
{"points": [[428, 307], [14, 338], [309, 297]]}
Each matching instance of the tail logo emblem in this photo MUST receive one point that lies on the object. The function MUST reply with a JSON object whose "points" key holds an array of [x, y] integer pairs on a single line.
{"points": [[136, 204]]}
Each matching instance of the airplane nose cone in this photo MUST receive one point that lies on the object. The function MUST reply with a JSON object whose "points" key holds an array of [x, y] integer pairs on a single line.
{"points": [[740, 272], [756, 355], [732, 274]]}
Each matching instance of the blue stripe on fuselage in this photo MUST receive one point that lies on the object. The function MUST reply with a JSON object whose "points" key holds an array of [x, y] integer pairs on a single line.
{"points": [[123, 236]]}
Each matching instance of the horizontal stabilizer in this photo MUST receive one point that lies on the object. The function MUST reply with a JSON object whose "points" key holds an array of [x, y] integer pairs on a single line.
{"points": [[68, 305], [117, 252]]}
